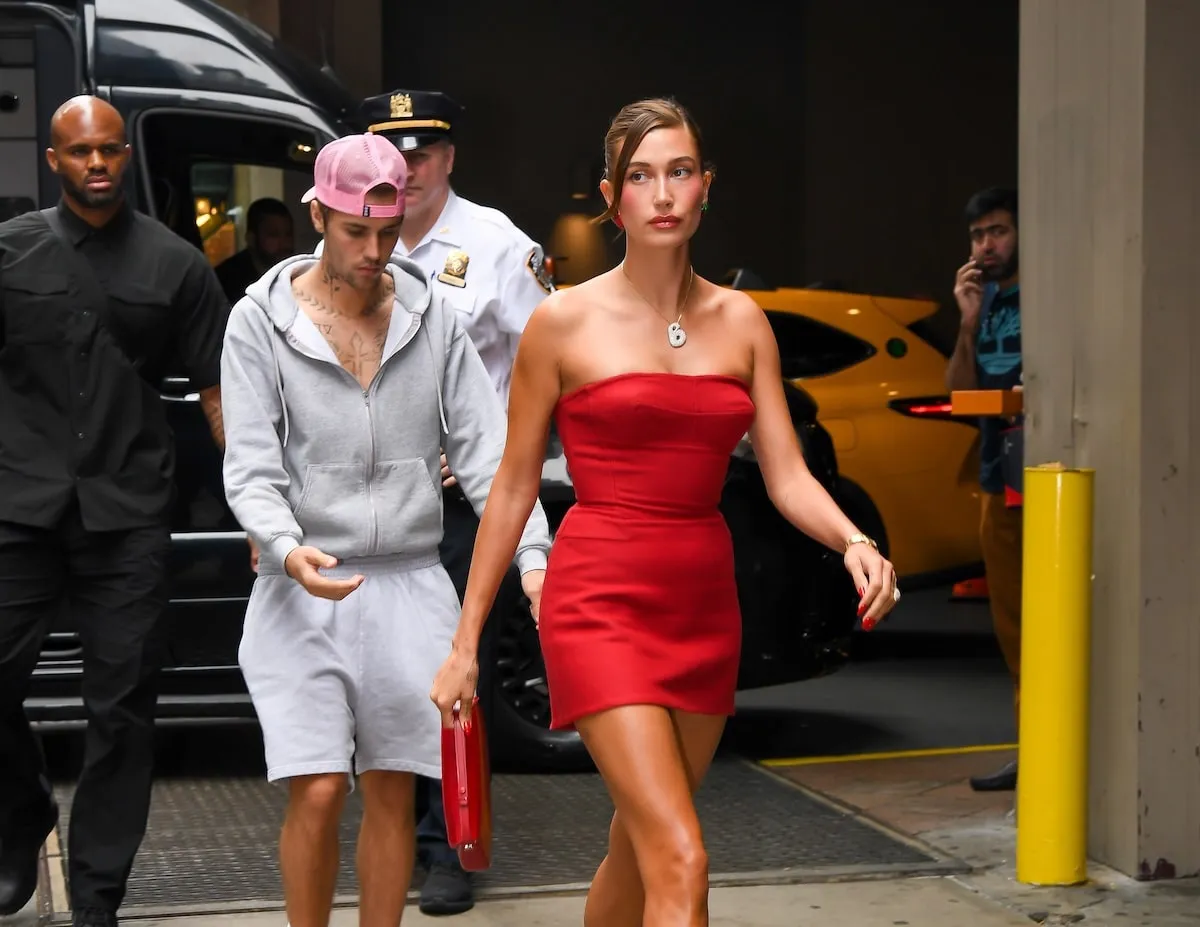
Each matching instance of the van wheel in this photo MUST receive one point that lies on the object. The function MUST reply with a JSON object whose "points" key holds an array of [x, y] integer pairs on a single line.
{"points": [[512, 685]]}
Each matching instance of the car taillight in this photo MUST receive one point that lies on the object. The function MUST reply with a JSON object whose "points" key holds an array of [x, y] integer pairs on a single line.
{"points": [[932, 407]]}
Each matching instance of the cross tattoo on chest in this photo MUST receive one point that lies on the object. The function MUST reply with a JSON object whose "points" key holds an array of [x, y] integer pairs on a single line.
{"points": [[357, 341]]}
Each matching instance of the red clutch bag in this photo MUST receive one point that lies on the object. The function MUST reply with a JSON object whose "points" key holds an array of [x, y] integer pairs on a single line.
{"points": [[467, 790]]}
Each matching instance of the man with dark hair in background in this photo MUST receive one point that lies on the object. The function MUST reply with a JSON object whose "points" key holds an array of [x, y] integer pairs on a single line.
{"points": [[987, 355], [270, 237]]}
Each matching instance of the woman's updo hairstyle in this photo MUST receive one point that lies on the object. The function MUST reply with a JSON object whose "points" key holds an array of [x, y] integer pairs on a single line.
{"points": [[629, 127]]}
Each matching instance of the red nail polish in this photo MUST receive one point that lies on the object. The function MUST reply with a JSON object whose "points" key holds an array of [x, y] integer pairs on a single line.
{"points": [[868, 624]]}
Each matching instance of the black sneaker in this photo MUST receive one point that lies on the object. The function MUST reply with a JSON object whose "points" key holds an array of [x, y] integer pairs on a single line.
{"points": [[93, 917], [19, 861], [1003, 780], [447, 890]]}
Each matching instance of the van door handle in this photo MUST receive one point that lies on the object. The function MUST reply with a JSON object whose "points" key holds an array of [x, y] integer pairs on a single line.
{"points": [[178, 389]]}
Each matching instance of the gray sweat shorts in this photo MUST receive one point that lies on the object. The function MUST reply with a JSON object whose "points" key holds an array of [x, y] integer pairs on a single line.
{"points": [[343, 687]]}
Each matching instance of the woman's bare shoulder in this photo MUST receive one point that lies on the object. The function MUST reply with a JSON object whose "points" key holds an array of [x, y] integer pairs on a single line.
{"points": [[739, 305], [734, 307], [565, 308]]}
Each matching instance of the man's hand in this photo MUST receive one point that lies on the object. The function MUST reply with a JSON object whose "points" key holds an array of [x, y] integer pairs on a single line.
{"points": [[531, 584], [968, 292], [304, 564], [448, 479], [210, 403], [253, 553]]}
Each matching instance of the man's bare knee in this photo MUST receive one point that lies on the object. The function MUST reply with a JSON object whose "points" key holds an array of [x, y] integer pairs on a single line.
{"points": [[389, 793], [321, 797]]}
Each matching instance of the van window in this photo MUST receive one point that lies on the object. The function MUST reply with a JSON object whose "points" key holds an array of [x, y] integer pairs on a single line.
{"points": [[202, 171], [222, 194]]}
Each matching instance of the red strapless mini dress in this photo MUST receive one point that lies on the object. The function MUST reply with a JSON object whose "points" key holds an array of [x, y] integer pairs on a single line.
{"points": [[640, 602]]}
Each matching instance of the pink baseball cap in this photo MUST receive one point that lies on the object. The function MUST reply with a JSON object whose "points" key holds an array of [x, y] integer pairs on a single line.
{"points": [[347, 168]]}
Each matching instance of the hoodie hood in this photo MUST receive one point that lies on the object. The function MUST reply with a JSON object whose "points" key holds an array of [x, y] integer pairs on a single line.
{"points": [[412, 289], [313, 457], [272, 294]]}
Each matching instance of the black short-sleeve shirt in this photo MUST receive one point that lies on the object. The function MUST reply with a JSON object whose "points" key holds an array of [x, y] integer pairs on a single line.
{"points": [[997, 366], [80, 411]]}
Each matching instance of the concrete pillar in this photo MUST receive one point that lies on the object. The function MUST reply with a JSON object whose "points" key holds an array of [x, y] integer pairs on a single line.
{"points": [[1110, 231]]}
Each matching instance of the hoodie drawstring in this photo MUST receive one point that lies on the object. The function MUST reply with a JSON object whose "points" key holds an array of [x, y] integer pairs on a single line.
{"points": [[279, 387], [438, 383]]}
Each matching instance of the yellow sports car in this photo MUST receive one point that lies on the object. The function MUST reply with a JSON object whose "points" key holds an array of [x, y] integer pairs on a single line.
{"points": [[909, 473]]}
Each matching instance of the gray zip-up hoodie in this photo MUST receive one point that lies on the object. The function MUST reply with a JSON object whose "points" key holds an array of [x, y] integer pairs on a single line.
{"points": [[313, 459]]}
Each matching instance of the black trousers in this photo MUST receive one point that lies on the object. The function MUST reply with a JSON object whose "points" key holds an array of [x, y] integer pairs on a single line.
{"points": [[459, 525], [112, 587]]}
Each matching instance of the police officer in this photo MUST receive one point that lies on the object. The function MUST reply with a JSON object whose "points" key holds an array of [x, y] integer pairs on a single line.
{"points": [[495, 276]]}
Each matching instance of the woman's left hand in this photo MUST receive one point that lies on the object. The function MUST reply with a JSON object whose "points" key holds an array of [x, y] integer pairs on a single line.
{"points": [[875, 581]]}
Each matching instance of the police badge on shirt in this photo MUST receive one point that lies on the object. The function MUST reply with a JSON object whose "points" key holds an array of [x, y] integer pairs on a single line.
{"points": [[455, 271]]}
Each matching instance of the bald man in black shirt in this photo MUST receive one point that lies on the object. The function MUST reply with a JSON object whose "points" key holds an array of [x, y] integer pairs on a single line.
{"points": [[94, 299]]}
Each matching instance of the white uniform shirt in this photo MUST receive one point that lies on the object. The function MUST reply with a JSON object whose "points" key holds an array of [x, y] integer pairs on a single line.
{"points": [[490, 271]]}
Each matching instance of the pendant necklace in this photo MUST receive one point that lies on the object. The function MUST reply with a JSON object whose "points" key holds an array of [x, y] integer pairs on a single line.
{"points": [[676, 336]]}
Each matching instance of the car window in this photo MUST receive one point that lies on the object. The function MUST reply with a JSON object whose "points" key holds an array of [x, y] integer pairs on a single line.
{"points": [[808, 348]]}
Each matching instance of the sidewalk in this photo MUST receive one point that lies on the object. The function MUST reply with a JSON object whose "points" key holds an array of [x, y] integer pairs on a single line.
{"points": [[928, 797], [927, 902], [924, 797]]}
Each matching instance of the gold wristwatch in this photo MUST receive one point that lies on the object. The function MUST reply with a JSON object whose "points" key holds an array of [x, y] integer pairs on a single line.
{"points": [[860, 539]]}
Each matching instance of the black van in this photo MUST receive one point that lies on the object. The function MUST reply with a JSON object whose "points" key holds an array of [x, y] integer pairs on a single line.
{"points": [[219, 113]]}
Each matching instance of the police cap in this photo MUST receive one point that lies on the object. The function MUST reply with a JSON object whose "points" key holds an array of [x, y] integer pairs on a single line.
{"points": [[411, 118]]}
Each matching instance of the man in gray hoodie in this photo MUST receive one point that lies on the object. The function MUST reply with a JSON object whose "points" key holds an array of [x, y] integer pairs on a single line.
{"points": [[343, 376]]}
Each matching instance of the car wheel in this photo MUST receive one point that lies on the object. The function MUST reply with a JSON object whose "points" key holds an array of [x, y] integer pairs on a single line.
{"points": [[861, 510], [516, 699]]}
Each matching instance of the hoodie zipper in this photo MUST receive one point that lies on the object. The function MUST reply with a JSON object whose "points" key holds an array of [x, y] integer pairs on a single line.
{"points": [[373, 541], [405, 339]]}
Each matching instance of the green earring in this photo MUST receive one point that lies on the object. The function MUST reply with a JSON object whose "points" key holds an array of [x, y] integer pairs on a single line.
{"points": [[704, 206]]}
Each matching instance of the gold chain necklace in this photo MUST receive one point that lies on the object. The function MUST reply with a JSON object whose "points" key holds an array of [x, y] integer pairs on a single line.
{"points": [[676, 336]]}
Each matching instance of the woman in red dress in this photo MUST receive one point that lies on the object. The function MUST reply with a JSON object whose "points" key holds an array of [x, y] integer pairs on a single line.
{"points": [[653, 375]]}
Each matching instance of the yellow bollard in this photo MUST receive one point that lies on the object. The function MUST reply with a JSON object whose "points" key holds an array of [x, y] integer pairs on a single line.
{"points": [[1056, 610]]}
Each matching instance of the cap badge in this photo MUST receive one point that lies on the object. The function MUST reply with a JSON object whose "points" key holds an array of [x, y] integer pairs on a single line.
{"points": [[401, 104]]}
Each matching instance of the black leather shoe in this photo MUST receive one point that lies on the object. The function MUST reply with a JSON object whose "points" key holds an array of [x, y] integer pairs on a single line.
{"points": [[19, 859], [447, 890], [92, 917], [1003, 780]]}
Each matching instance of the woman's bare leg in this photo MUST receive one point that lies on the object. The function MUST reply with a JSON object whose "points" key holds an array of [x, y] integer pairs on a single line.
{"points": [[640, 754], [616, 897]]}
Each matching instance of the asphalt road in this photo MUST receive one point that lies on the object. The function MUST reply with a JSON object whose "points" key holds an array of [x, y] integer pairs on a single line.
{"points": [[929, 678]]}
